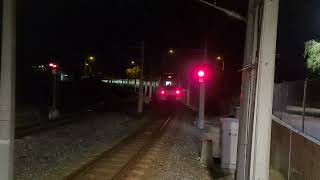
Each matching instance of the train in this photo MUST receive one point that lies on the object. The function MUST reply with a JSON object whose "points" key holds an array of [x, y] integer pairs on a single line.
{"points": [[169, 88]]}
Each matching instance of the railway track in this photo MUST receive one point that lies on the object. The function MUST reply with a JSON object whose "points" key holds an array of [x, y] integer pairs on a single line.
{"points": [[117, 163]]}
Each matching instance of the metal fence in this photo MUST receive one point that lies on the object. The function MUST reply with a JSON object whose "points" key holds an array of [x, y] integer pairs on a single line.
{"points": [[298, 104]]}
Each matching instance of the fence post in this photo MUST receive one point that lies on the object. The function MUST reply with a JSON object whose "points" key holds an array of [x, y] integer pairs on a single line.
{"points": [[289, 154], [304, 102], [282, 98]]}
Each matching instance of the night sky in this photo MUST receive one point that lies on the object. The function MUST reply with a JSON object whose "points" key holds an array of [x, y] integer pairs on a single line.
{"points": [[298, 22], [69, 31]]}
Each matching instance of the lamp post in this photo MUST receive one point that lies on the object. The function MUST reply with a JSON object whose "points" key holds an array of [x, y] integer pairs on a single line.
{"points": [[91, 60], [140, 100], [221, 60], [135, 70], [54, 113], [88, 63]]}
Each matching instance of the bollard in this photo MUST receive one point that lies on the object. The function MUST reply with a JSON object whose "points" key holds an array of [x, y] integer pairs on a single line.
{"points": [[206, 153]]}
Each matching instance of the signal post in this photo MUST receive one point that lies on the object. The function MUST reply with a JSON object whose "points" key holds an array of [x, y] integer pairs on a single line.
{"points": [[201, 75]]}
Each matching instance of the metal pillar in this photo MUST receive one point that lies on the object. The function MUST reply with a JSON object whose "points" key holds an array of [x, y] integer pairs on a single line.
{"points": [[201, 105], [188, 94], [150, 90], [54, 91], [54, 113], [7, 90], [261, 138], [305, 88], [140, 101]]}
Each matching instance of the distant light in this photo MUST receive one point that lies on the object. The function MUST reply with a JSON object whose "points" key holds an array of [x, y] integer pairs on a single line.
{"points": [[219, 58], [53, 65], [91, 58], [66, 75], [171, 51], [169, 77], [87, 64], [201, 73], [132, 62]]}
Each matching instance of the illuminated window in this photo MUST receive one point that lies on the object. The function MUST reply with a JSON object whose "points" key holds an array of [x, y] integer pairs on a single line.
{"points": [[168, 83]]}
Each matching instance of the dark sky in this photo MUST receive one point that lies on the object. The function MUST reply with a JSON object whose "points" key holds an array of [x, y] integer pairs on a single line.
{"points": [[68, 31], [71, 30], [299, 21]]}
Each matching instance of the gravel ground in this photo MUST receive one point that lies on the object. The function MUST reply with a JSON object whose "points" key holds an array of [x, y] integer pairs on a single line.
{"points": [[55, 153], [179, 158]]}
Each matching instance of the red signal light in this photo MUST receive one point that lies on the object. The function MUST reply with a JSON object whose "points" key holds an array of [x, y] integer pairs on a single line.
{"points": [[201, 73], [162, 92], [177, 91]]}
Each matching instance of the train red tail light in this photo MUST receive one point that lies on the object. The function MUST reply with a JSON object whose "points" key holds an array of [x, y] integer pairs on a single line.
{"points": [[162, 92], [178, 92]]}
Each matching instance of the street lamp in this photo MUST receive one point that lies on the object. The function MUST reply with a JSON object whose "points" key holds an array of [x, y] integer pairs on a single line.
{"points": [[91, 58], [220, 59], [171, 51], [88, 63]]}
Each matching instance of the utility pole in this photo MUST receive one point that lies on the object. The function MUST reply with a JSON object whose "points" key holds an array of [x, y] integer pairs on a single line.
{"points": [[7, 89], [248, 87], [265, 81], [141, 86], [257, 91], [257, 88]]}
